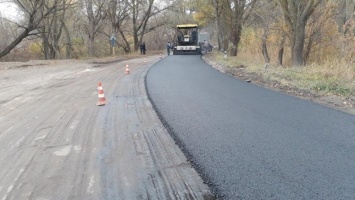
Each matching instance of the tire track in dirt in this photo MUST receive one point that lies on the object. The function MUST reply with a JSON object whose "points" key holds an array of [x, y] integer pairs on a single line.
{"points": [[59, 145]]}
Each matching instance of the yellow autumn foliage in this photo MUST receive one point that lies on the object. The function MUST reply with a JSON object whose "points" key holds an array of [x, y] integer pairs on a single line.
{"points": [[330, 66], [205, 12], [35, 48]]}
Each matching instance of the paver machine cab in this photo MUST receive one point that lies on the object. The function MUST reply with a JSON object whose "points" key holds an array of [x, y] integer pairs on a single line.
{"points": [[187, 40]]}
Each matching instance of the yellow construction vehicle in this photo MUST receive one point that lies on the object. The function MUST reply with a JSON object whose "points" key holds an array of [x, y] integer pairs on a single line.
{"points": [[187, 40]]}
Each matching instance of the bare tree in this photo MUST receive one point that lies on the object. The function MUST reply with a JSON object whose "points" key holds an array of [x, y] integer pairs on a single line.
{"points": [[5, 29], [296, 13], [52, 28], [345, 13], [266, 16], [95, 15], [142, 12], [118, 16], [222, 35], [34, 12], [240, 10], [231, 15]]}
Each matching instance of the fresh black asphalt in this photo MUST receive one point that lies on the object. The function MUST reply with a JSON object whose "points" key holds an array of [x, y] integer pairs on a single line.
{"points": [[248, 142]]}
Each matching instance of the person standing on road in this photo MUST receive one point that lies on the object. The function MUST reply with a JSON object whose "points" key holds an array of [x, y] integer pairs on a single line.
{"points": [[143, 47], [168, 47], [205, 45]]}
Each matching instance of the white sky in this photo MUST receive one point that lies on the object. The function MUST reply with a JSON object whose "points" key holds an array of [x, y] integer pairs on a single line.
{"points": [[8, 10]]}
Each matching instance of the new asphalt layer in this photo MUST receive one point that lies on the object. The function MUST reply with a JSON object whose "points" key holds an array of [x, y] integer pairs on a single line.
{"points": [[248, 142]]}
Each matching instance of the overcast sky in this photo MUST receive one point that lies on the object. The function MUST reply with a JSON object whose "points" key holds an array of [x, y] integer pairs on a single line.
{"points": [[8, 10]]}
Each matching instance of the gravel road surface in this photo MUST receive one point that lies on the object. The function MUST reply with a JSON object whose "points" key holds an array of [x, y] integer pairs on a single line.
{"points": [[249, 142], [56, 144]]}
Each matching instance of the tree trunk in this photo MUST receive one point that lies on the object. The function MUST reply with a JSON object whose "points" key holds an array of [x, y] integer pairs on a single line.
{"points": [[140, 21], [296, 13], [55, 36], [264, 46], [280, 52], [135, 40], [134, 23], [298, 44], [308, 49], [68, 46], [91, 28], [280, 56], [45, 43], [235, 39], [240, 11], [126, 47], [219, 25]]}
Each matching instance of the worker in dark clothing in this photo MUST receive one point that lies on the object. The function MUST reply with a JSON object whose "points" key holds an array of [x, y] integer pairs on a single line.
{"points": [[141, 48], [144, 49]]}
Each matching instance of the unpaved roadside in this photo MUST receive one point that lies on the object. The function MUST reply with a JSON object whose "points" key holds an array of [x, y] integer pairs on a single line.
{"points": [[55, 143]]}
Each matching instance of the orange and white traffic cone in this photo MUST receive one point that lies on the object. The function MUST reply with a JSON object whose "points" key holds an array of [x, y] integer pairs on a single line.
{"points": [[127, 69], [145, 60], [102, 99], [160, 56]]}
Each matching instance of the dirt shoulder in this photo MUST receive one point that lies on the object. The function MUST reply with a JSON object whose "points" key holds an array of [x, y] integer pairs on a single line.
{"points": [[345, 104], [56, 143]]}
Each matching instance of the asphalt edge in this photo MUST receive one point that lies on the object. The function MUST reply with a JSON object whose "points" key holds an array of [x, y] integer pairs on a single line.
{"points": [[204, 176]]}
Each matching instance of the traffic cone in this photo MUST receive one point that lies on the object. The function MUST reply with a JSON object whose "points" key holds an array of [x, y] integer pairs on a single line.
{"points": [[127, 69], [102, 99], [160, 56], [145, 60]]}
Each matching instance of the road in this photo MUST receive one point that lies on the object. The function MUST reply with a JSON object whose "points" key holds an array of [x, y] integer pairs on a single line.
{"points": [[249, 142], [56, 144]]}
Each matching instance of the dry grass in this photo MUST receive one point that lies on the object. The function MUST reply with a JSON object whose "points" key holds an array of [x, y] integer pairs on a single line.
{"points": [[331, 78]]}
